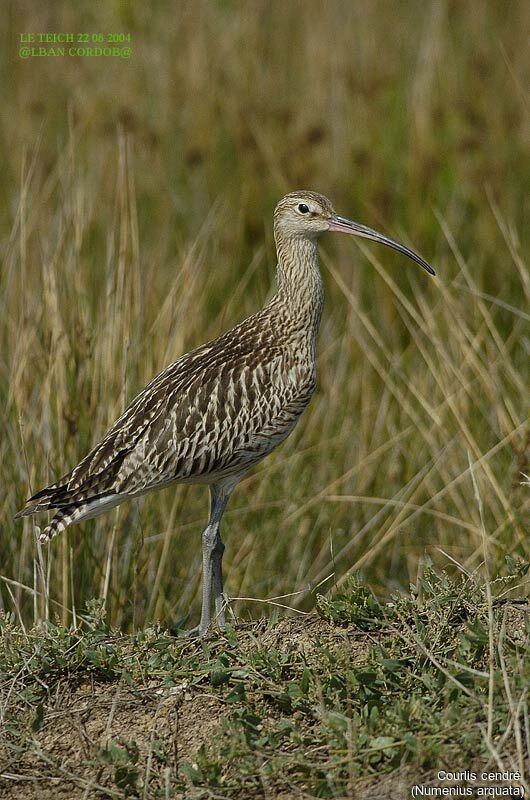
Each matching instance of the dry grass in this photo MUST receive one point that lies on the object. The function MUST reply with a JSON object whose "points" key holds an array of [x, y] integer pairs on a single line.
{"points": [[136, 222]]}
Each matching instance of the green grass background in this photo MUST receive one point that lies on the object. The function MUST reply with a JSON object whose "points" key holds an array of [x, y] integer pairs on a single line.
{"points": [[135, 222]]}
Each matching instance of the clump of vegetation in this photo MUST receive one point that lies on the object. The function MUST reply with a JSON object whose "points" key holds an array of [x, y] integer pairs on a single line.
{"points": [[354, 603]]}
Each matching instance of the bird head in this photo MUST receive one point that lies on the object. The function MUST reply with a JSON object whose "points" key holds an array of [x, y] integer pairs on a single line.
{"points": [[307, 214]]}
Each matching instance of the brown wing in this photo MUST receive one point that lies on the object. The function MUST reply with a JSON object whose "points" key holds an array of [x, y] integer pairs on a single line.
{"points": [[223, 404]]}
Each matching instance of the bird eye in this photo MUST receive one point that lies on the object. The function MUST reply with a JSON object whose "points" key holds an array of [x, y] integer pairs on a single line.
{"points": [[303, 209]]}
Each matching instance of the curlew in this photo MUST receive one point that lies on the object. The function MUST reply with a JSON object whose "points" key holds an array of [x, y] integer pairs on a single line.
{"points": [[217, 411]]}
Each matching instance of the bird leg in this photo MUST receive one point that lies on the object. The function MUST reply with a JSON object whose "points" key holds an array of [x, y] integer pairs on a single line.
{"points": [[217, 560], [212, 557]]}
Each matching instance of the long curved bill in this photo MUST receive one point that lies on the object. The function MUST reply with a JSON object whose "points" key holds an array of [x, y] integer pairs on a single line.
{"points": [[343, 225]]}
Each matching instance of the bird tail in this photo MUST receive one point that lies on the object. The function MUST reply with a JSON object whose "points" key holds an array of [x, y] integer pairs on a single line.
{"points": [[68, 509], [54, 496], [63, 518]]}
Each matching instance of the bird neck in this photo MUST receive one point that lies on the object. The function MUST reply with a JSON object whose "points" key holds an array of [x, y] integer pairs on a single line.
{"points": [[299, 280]]}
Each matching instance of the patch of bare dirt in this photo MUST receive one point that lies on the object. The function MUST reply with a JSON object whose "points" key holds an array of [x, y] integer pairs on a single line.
{"points": [[303, 634], [155, 728]]}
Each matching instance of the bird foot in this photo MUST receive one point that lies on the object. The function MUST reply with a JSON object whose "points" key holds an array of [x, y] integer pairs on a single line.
{"points": [[194, 633], [198, 632], [202, 630]]}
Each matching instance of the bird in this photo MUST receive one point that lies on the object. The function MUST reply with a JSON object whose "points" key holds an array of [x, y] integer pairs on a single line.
{"points": [[217, 411]]}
